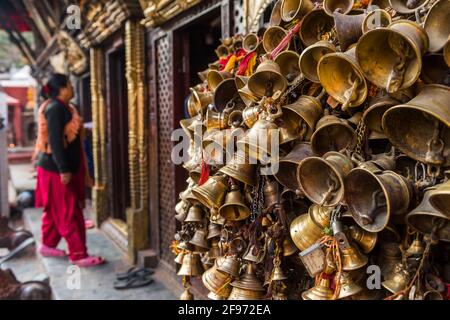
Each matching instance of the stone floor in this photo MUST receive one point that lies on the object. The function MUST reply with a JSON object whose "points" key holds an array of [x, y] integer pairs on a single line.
{"points": [[95, 283]]}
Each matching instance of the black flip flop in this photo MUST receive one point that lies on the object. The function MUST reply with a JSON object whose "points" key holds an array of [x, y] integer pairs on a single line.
{"points": [[133, 272], [16, 250], [131, 283]]}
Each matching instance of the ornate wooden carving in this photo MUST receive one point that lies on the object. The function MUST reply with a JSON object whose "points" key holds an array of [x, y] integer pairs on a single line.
{"points": [[157, 12]]}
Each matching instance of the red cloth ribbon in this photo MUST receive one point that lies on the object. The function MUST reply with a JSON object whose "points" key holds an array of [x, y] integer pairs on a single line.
{"points": [[204, 174], [244, 63], [223, 62], [285, 40]]}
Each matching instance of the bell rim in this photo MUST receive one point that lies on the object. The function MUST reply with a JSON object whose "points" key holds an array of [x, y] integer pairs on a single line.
{"points": [[251, 83], [273, 28], [308, 16], [307, 51], [241, 206], [387, 102], [407, 10], [345, 124], [328, 12]]}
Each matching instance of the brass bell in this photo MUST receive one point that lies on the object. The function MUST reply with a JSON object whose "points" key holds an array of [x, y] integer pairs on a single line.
{"points": [[289, 247], [216, 120], [447, 53], [198, 101], [215, 77], [416, 248], [365, 240], [438, 32], [250, 255], [390, 256], [322, 179], [247, 287], [420, 128], [432, 295], [399, 280], [195, 214], [342, 6], [215, 217], [234, 208], [404, 6], [212, 192], [252, 43], [348, 28], [425, 219], [272, 38], [251, 115], [377, 18], [217, 282], [179, 258], [267, 79], [215, 250], [439, 198], [347, 286], [310, 57], [191, 266], [320, 292], [203, 74], [307, 228], [184, 124], [199, 240], [229, 265], [373, 116], [373, 196], [278, 274], [271, 193], [213, 231], [275, 15], [316, 26], [287, 172], [435, 70], [224, 93], [181, 210], [244, 92], [288, 62], [187, 295], [342, 78], [241, 169], [391, 57], [222, 51], [293, 9], [352, 258], [195, 173]]}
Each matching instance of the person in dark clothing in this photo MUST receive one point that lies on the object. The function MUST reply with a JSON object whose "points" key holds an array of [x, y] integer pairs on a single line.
{"points": [[61, 170]]}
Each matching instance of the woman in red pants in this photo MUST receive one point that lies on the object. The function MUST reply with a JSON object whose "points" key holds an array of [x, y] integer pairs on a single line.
{"points": [[60, 174]]}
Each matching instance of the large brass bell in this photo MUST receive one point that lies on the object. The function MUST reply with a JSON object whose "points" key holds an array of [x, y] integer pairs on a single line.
{"points": [[348, 28], [373, 116], [225, 92], [391, 58], [316, 26], [342, 78], [320, 292], [288, 62], [425, 219], [438, 32], [192, 265], [229, 265], [292, 9], [365, 240], [215, 77], [307, 228], [267, 79], [399, 280], [212, 192], [347, 286], [217, 282], [287, 171], [420, 128], [342, 6], [404, 6], [234, 208], [195, 214], [310, 57], [373, 196], [322, 179], [198, 101], [240, 168], [247, 287]]}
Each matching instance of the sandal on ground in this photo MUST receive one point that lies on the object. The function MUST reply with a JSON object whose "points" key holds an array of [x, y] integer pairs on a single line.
{"points": [[51, 252], [89, 224], [89, 261], [135, 282], [133, 272]]}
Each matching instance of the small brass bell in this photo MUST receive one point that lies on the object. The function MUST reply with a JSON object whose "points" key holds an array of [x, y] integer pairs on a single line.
{"points": [[320, 292], [240, 168], [399, 280], [212, 192], [278, 274], [181, 210], [288, 62], [310, 57], [416, 248], [224, 93], [215, 77], [222, 51], [267, 79], [234, 208], [213, 231], [195, 214], [251, 114], [217, 282], [289, 247], [215, 217], [187, 295], [244, 92], [271, 193], [216, 120], [316, 26], [293, 9], [250, 256], [203, 74], [347, 286], [247, 287], [390, 256], [198, 101], [199, 240], [352, 258], [179, 258], [366, 240], [275, 15], [230, 265], [191, 266], [215, 251]]}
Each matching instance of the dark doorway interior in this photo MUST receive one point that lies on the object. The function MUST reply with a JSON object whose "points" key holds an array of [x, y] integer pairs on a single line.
{"points": [[117, 138]]}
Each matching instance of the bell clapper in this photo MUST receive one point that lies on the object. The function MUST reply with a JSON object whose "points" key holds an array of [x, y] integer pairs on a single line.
{"points": [[351, 93]]}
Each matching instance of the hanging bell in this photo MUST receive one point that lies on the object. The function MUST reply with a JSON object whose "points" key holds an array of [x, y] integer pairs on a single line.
{"points": [[250, 255], [184, 124], [348, 27], [341, 6], [352, 258], [191, 266], [251, 114], [404, 6], [195, 173], [195, 214], [440, 197], [244, 92], [275, 15], [212, 192], [321, 291], [181, 210], [399, 280], [214, 230], [322, 179], [416, 248], [310, 57], [316, 26], [348, 287], [217, 282], [272, 38], [247, 287], [425, 219], [215, 77], [234, 208], [373, 196], [187, 295], [390, 256], [215, 217], [391, 58], [216, 120], [267, 79], [271, 193], [294, 9], [421, 127], [287, 172], [179, 258], [365, 240], [199, 240], [288, 62], [215, 251], [342, 78], [377, 18], [289, 247], [252, 43], [198, 101], [241, 169], [435, 70], [222, 51], [373, 115], [225, 92], [229, 265]]}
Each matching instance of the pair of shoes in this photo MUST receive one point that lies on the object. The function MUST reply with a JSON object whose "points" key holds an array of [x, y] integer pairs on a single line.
{"points": [[89, 261], [134, 278]]}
